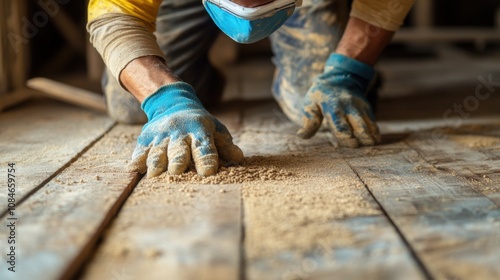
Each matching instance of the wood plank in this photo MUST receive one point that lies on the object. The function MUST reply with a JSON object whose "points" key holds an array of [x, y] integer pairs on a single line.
{"points": [[315, 219], [170, 228], [42, 138], [173, 231], [470, 153], [264, 124], [14, 98], [452, 227], [329, 228], [70, 94], [458, 152], [263, 121], [59, 225]]}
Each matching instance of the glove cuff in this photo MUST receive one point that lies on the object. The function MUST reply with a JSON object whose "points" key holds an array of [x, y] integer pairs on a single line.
{"points": [[168, 96], [344, 64]]}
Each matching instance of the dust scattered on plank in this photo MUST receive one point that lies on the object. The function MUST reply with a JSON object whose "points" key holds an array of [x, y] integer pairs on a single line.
{"points": [[256, 168]]}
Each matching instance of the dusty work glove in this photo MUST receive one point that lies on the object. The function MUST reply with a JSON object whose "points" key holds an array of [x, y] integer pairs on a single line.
{"points": [[338, 95], [178, 129]]}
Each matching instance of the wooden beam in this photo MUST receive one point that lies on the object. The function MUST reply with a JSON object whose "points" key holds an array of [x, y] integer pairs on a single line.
{"points": [[17, 97], [61, 224], [70, 94], [43, 139]]}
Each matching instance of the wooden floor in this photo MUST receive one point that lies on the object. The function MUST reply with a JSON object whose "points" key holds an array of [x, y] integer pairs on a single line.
{"points": [[425, 204]]}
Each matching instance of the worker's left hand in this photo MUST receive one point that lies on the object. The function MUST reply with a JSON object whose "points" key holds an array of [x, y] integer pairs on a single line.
{"points": [[338, 95]]}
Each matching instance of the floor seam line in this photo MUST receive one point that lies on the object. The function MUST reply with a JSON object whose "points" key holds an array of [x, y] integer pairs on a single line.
{"points": [[242, 275], [413, 252], [60, 170], [78, 264]]}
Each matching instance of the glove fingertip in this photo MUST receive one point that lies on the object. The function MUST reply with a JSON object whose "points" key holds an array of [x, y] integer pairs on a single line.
{"points": [[154, 172], [311, 120], [230, 153], [134, 167], [348, 142], [310, 127], [207, 165], [377, 137], [233, 155], [177, 168], [304, 133], [138, 164], [208, 170]]}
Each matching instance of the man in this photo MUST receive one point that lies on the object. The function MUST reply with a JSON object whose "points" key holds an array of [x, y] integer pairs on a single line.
{"points": [[324, 64]]}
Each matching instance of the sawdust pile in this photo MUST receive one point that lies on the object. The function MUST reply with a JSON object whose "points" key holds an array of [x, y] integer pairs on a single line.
{"points": [[253, 169]]}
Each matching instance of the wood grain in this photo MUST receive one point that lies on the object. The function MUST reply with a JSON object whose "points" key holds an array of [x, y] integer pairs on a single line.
{"points": [[169, 231], [321, 222], [42, 139], [59, 225], [452, 227]]}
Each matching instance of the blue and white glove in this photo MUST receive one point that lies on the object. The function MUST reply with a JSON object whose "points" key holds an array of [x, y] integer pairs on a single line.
{"points": [[179, 129], [339, 96]]}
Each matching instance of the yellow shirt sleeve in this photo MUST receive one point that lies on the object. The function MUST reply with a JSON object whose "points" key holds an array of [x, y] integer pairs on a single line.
{"points": [[386, 14], [146, 10]]}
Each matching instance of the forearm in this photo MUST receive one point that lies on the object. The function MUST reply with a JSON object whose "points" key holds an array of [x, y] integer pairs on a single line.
{"points": [[144, 75], [363, 41], [371, 27], [120, 38]]}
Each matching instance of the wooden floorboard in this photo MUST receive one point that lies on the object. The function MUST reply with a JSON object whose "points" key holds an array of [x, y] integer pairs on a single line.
{"points": [[58, 226], [319, 223], [172, 230], [42, 138], [452, 227], [410, 208]]}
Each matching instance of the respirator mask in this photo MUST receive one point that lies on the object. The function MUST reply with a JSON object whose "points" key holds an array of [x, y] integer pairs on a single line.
{"points": [[248, 25]]}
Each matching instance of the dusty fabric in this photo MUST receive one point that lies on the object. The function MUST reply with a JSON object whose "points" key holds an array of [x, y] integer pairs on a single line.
{"points": [[301, 47], [121, 38], [386, 14]]}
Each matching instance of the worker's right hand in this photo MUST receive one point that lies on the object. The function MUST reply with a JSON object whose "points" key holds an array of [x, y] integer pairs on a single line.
{"points": [[180, 128], [339, 96]]}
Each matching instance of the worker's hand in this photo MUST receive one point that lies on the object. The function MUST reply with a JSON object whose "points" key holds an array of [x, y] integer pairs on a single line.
{"points": [[179, 128], [338, 95]]}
